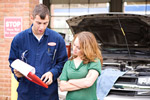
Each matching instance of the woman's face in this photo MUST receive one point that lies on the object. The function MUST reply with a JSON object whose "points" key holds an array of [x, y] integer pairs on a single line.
{"points": [[76, 47]]}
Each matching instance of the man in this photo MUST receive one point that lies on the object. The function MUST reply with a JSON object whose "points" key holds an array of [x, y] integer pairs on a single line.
{"points": [[43, 49]]}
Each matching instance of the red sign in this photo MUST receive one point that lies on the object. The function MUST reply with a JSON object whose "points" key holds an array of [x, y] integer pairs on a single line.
{"points": [[12, 26]]}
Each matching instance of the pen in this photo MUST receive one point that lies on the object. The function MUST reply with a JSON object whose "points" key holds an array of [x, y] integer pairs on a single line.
{"points": [[48, 50], [54, 54]]}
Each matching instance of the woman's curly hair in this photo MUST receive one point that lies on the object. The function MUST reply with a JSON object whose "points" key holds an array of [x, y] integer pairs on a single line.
{"points": [[88, 46]]}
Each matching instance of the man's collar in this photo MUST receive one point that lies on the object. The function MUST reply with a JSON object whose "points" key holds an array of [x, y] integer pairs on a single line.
{"points": [[30, 31], [46, 33]]}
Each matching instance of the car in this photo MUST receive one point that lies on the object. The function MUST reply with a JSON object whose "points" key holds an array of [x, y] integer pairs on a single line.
{"points": [[125, 44]]}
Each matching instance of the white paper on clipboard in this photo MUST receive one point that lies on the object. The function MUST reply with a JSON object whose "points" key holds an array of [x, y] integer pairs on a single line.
{"points": [[22, 67]]}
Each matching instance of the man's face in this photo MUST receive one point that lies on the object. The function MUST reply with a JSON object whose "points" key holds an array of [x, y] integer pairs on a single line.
{"points": [[39, 25]]}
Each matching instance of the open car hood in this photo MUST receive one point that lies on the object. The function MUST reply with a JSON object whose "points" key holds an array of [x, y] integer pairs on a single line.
{"points": [[107, 30]]}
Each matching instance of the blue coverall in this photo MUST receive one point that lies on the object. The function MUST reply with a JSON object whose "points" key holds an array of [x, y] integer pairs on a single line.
{"points": [[44, 57]]}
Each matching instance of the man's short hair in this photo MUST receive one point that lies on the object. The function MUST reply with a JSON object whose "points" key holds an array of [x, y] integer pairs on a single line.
{"points": [[40, 10]]}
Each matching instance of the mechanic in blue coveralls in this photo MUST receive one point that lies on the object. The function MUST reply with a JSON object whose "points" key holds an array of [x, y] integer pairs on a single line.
{"points": [[43, 49]]}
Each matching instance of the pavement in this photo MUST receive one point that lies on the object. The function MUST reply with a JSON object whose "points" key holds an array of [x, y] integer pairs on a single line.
{"points": [[62, 95]]}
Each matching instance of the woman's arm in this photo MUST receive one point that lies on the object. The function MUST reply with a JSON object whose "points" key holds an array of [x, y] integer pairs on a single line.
{"points": [[66, 86], [85, 82]]}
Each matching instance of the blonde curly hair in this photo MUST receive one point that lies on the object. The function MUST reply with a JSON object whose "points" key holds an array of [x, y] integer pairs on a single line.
{"points": [[88, 46]]}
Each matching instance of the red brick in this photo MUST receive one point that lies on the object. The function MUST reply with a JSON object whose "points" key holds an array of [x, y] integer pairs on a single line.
{"points": [[4, 1], [13, 1], [7, 85], [2, 5], [9, 5], [9, 8]]}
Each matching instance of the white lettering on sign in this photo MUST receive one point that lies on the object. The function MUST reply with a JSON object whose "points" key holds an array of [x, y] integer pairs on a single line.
{"points": [[13, 24]]}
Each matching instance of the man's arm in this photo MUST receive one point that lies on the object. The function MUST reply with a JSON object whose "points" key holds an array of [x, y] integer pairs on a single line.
{"points": [[13, 55]]}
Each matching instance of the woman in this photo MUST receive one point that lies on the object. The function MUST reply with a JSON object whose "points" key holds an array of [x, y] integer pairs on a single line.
{"points": [[80, 73]]}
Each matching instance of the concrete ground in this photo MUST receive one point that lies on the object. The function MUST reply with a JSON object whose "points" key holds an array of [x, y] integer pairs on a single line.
{"points": [[62, 95]]}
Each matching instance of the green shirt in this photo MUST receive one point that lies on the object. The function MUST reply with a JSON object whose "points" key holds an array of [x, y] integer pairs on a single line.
{"points": [[70, 72]]}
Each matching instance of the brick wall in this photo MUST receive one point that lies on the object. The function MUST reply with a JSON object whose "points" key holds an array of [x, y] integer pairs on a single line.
{"points": [[11, 8]]}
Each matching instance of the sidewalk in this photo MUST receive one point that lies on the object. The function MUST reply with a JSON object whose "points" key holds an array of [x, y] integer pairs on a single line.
{"points": [[62, 95]]}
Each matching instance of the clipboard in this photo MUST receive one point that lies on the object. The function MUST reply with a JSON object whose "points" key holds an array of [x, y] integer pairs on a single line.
{"points": [[28, 71]]}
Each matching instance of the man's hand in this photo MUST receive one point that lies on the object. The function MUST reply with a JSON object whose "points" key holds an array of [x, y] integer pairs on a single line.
{"points": [[47, 78], [18, 74]]}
